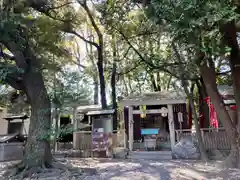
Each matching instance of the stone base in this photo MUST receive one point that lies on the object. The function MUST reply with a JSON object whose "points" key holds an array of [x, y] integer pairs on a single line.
{"points": [[120, 153], [186, 149]]}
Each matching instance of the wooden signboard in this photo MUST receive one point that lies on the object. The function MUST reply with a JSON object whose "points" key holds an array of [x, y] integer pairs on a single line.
{"points": [[99, 140]]}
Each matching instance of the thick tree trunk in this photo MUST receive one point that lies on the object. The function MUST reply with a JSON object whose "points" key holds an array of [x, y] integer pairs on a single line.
{"points": [[209, 78], [191, 100], [229, 32], [37, 151]]}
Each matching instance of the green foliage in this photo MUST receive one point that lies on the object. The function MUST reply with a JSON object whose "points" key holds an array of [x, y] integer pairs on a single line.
{"points": [[195, 23], [68, 89]]}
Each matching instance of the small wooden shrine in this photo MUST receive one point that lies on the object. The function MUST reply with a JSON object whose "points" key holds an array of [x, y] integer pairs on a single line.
{"points": [[159, 113]]}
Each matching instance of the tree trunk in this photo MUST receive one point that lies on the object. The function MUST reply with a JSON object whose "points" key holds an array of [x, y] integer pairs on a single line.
{"points": [[158, 81], [101, 77], [113, 83], [169, 82], [37, 151], [56, 129], [100, 48], [209, 78], [95, 98], [191, 100], [229, 32], [114, 96], [125, 86], [154, 85], [203, 107], [195, 120]]}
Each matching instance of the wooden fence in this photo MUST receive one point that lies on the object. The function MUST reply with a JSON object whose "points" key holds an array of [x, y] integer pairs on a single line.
{"points": [[83, 140], [11, 151], [212, 138]]}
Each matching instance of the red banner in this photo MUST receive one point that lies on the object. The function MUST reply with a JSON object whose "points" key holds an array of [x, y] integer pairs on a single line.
{"points": [[213, 113]]}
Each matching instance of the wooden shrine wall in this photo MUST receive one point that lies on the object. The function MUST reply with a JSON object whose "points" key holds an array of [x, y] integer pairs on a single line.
{"points": [[183, 109]]}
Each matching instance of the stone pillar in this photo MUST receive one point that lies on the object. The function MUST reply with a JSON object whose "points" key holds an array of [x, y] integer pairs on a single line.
{"points": [[171, 125], [130, 127]]}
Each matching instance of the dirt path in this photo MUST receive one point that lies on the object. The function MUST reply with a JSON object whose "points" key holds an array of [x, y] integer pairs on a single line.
{"points": [[108, 169], [155, 170]]}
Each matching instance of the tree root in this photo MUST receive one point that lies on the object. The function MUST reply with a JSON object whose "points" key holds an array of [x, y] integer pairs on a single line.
{"points": [[21, 171], [232, 161]]}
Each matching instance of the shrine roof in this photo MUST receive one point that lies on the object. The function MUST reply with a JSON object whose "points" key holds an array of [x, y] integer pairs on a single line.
{"points": [[87, 108], [11, 117], [101, 112], [156, 98]]}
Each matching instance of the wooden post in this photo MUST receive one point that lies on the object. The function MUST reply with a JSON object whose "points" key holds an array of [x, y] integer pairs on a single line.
{"points": [[75, 127], [171, 125], [122, 125], [130, 127]]}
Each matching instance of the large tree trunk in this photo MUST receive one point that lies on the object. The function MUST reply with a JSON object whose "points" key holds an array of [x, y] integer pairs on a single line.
{"points": [[209, 78], [230, 37], [37, 151], [191, 100]]}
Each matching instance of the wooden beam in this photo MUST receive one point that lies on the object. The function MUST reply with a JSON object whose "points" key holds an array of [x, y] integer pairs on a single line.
{"points": [[150, 111], [151, 102]]}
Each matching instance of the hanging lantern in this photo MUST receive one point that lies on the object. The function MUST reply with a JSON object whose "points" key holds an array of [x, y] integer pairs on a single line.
{"points": [[164, 112], [143, 109]]}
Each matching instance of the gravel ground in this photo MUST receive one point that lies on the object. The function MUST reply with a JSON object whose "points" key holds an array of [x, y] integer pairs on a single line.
{"points": [[109, 169]]}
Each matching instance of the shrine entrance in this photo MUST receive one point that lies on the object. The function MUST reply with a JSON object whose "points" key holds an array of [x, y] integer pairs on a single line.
{"points": [[154, 130], [152, 116]]}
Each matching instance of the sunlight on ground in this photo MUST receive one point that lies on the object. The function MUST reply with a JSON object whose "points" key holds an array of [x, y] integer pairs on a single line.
{"points": [[113, 169]]}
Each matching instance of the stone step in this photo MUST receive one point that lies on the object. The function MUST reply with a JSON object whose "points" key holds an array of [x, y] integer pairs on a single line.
{"points": [[151, 155]]}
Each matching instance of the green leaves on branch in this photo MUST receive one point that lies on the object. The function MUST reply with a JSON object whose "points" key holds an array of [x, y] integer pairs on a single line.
{"points": [[6, 70], [195, 22]]}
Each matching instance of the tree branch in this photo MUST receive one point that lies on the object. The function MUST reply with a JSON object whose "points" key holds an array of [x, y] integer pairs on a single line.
{"points": [[82, 38], [131, 69], [93, 22], [62, 5], [150, 64]]}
